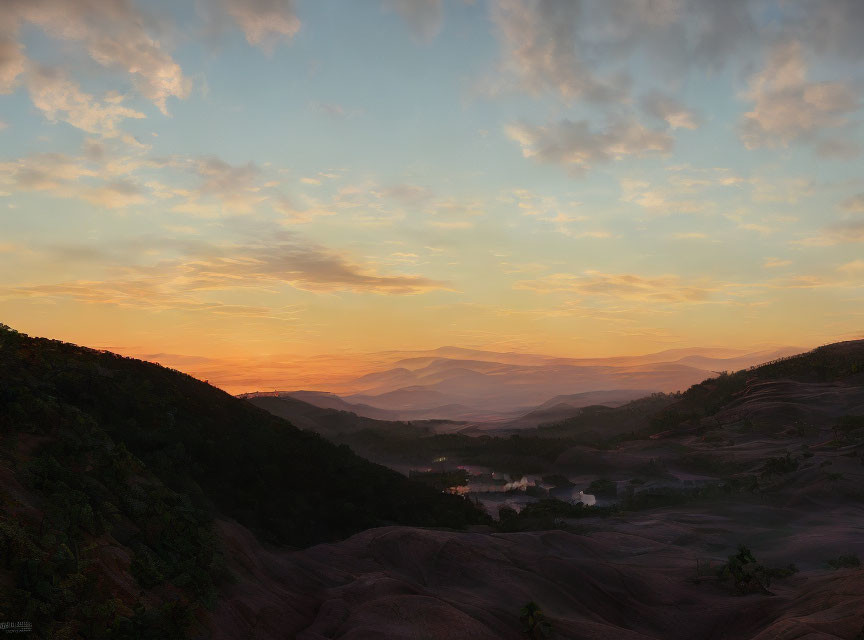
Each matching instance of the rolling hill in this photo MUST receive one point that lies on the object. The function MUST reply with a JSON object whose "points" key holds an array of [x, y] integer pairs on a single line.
{"points": [[114, 470]]}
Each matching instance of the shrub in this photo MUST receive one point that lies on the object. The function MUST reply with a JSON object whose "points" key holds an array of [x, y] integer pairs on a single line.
{"points": [[846, 426], [440, 480], [534, 622], [804, 429], [707, 463], [748, 575], [780, 465], [783, 572], [654, 468], [846, 561], [506, 513], [603, 487], [557, 480], [548, 514]]}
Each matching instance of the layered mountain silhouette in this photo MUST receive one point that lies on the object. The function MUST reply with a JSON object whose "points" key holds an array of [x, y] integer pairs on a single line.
{"points": [[465, 384]]}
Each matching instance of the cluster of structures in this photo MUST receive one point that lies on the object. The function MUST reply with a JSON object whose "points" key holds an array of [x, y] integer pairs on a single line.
{"points": [[492, 483]]}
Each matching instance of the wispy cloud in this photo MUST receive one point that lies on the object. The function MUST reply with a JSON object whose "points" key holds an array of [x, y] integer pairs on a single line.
{"points": [[578, 147], [854, 204], [450, 224], [12, 62], [573, 48], [335, 110], [60, 98], [539, 45], [670, 110], [662, 200], [764, 229], [115, 34], [667, 288], [423, 17], [65, 176], [786, 106], [264, 22], [189, 282], [852, 268], [135, 293], [844, 232], [236, 188]]}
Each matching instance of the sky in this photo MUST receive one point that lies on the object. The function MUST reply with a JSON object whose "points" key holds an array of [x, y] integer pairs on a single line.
{"points": [[251, 184]]}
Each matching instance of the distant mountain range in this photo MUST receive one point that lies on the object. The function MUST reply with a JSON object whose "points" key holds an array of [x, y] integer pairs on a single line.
{"points": [[327, 400], [468, 384], [306, 408]]}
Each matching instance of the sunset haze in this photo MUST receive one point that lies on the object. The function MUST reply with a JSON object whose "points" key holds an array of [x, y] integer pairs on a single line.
{"points": [[236, 188]]}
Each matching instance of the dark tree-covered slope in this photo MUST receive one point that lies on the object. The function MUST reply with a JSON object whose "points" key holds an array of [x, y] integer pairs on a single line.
{"points": [[837, 363], [112, 470]]}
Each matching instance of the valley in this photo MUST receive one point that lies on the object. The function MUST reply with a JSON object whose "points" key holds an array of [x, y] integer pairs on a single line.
{"points": [[732, 510], [771, 459]]}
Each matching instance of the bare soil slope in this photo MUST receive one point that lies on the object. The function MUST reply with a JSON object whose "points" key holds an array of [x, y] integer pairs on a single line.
{"points": [[401, 583]]}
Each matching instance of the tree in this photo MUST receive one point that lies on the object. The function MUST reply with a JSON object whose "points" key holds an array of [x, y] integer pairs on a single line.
{"points": [[534, 621], [748, 575]]}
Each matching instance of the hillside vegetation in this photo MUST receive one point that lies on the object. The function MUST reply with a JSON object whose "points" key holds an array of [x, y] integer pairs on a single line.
{"points": [[841, 361], [113, 470]]}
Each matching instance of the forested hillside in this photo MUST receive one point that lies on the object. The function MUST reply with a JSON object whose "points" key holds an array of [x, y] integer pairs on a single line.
{"points": [[114, 469]]}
